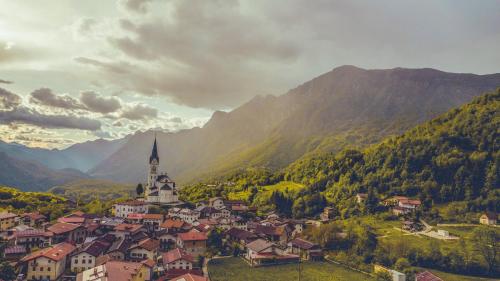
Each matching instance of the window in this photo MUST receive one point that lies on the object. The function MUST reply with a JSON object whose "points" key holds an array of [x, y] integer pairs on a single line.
{"points": [[76, 261], [41, 268], [83, 261], [48, 268]]}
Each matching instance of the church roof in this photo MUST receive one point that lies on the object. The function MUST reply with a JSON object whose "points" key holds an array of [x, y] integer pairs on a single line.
{"points": [[154, 153]]}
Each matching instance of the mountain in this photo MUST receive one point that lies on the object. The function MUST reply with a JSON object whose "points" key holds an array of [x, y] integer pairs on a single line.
{"points": [[454, 157], [32, 176], [81, 156], [346, 107]]}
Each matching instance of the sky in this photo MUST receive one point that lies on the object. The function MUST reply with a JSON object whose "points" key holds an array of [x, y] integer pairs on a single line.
{"points": [[72, 71]]}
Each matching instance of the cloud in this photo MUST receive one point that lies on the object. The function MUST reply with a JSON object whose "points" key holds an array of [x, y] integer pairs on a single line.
{"points": [[139, 112], [210, 54], [8, 100], [29, 116], [137, 6], [96, 103], [45, 96], [5, 81], [103, 134]]}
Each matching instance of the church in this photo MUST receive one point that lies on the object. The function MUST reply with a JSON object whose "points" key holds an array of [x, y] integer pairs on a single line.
{"points": [[160, 189]]}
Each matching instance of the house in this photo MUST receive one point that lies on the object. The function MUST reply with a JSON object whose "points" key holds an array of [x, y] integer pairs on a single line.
{"points": [[67, 232], [261, 252], [189, 277], [400, 211], [153, 221], [126, 230], [426, 276], [119, 249], [177, 259], [240, 236], [410, 204], [85, 257], [361, 197], [31, 238], [145, 249], [14, 253], [33, 219], [193, 242], [48, 263], [306, 249], [187, 215], [210, 213], [396, 276], [327, 214], [135, 218], [132, 206], [488, 218], [116, 270], [217, 203], [274, 233], [7, 220]]}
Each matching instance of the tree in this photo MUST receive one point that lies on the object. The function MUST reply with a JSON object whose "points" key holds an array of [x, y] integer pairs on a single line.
{"points": [[402, 264], [7, 272], [383, 276], [485, 241], [139, 189]]}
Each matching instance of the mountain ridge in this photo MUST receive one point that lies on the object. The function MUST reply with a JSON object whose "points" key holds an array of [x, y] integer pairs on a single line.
{"points": [[348, 106]]}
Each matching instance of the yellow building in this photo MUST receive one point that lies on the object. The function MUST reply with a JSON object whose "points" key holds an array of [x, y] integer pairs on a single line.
{"points": [[48, 263], [7, 220]]}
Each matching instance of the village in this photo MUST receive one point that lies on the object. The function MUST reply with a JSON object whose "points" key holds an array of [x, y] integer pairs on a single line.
{"points": [[157, 237]]}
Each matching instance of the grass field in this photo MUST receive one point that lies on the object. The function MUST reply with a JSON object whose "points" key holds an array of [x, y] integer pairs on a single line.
{"points": [[454, 277], [236, 269]]}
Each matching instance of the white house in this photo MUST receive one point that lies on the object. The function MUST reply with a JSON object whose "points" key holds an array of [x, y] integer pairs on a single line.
{"points": [[123, 209]]}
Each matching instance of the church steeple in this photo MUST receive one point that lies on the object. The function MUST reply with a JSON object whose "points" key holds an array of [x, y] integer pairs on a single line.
{"points": [[154, 153]]}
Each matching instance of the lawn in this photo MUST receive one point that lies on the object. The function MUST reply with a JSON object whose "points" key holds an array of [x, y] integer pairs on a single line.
{"points": [[455, 277], [236, 269]]}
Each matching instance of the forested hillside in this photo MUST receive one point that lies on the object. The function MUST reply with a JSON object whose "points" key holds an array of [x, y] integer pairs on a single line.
{"points": [[453, 157]]}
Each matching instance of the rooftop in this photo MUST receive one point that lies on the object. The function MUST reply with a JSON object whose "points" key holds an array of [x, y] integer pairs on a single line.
{"points": [[55, 253], [62, 227], [192, 236], [176, 254]]}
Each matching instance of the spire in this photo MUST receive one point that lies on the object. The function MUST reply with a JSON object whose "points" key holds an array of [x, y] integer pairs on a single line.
{"points": [[154, 153]]}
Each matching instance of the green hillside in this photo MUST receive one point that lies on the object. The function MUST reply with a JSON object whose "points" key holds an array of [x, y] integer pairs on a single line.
{"points": [[50, 205], [88, 189], [453, 157]]}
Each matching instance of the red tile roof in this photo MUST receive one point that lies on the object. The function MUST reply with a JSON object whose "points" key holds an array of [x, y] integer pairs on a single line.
{"points": [[7, 216], [148, 244], [426, 276], [121, 270], [189, 277], [128, 227], [153, 216], [55, 253], [76, 220], [170, 223], [176, 254], [61, 227], [192, 236], [132, 203]]}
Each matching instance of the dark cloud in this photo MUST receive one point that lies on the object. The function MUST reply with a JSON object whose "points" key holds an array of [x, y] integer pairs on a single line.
{"points": [[139, 112], [45, 96], [32, 117], [137, 6], [84, 26], [100, 104], [175, 119], [8, 100], [5, 81], [205, 54]]}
